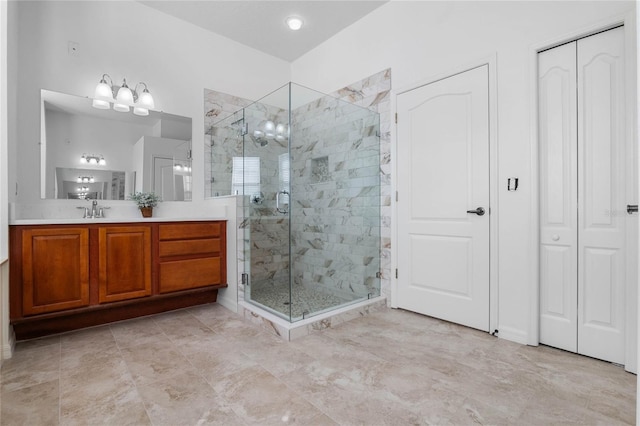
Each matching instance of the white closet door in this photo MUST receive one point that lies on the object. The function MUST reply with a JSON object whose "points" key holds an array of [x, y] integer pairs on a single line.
{"points": [[602, 196], [558, 144], [583, 196]]}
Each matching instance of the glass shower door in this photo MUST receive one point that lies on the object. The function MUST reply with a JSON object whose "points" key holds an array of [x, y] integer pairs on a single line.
{"points": [[266, 191]]}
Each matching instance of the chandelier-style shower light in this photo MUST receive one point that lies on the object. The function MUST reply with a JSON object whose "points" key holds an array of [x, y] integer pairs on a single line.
{"points": [[105, 95], [269, 130]]}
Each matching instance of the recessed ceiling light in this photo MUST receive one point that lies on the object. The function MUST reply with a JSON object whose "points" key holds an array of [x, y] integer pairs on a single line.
{"points": [[294, 23]]}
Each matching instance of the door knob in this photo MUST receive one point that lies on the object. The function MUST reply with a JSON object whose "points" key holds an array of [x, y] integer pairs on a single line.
{"points": [[479, 211]]}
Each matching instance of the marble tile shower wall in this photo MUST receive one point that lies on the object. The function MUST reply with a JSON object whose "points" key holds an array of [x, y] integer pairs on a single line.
{"points": [[222, 142], [372, 93], [335, 189], [268, 230]]}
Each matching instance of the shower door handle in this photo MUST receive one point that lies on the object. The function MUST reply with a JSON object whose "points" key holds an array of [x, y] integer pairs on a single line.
{"points": [[283, 211]]}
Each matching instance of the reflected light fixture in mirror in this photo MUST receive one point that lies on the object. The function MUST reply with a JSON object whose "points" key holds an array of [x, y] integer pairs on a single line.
{"points": [[85, 179], [94, 159], [105, 95]]}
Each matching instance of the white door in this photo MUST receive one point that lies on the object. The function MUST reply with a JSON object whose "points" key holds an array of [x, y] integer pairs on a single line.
{"points": [[558, 144], [163, 179], [443, 172], [583, 194]]}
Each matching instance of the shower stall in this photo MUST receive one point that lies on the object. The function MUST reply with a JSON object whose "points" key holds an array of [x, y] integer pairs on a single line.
{"points": [[307, 166]]}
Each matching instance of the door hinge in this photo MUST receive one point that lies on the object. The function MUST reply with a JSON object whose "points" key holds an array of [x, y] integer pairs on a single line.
{"points": [[396, 118], [245, 278], [396, 272], [396, 196], [378, 274]]}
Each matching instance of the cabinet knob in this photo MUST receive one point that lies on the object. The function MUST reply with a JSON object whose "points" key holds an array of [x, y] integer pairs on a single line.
{"points": [[555, 237]]}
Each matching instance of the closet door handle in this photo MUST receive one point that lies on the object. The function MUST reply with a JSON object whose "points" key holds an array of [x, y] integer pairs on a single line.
{"points": [[479, 211], [632, 208]]}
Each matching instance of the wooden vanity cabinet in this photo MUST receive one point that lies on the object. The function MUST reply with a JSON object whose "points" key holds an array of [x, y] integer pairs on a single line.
{"points": [[191, 255], [55, 269], [124, 270], [65, 277]]}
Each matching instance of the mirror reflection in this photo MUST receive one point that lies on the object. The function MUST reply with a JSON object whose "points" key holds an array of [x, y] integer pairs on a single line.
{"points": [[89, 153]]}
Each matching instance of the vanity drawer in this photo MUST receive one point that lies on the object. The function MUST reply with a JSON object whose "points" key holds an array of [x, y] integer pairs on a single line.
{"points": [[185, 231], [192, 273], [189, 247]]}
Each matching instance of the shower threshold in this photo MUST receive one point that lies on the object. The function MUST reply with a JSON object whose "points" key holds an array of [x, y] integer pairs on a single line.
{"points": [[266, 319]]}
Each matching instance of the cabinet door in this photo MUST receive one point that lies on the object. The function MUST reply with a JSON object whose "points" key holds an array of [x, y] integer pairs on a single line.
{"points": [[55, 269], [124, 263]]}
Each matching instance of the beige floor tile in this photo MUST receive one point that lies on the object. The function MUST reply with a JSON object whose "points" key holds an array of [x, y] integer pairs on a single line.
{"points": [[33, 405], [205, 365], [260, 398], [123, 406], [155, 361], [31, 367], [96, 339], [186, 400], [137, 332]]}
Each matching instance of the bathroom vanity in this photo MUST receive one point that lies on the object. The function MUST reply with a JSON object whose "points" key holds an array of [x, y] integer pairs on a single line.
{"points": [[74, 275]]}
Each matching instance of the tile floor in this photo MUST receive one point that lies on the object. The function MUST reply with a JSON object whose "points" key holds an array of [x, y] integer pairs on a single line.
{"points": [[204, 365]]}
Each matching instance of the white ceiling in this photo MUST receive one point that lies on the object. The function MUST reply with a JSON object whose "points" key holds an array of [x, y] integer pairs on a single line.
{"points": [[261, 23]]}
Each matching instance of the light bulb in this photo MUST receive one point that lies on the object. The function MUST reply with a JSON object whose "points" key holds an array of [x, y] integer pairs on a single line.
{"points": [[121, 107], [83, 159], [125, 96], [269, 129], [103, 92], [145, 100], [102, 161], [294, 23], [100, 104], [93, 160], [140, 111]]}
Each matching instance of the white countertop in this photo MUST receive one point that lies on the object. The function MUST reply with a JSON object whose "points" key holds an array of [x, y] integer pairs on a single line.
{"points": [[74, 221]]}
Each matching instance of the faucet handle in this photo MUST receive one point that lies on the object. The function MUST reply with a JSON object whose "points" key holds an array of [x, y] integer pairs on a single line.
{"points": [[101, 211], [85, 212]]}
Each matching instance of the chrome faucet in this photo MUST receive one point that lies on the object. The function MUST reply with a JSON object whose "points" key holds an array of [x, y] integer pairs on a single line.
{"points": [[95, 212], [94, 209]]}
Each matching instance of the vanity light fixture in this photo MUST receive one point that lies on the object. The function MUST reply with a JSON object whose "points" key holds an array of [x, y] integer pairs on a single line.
{"points": [[94, 159], [182, 168], [105, 95], [85, 179], [294, 23], [82, 189]]}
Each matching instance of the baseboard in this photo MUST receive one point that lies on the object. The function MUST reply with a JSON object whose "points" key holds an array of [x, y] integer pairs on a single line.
{"points": [[9, 347]]}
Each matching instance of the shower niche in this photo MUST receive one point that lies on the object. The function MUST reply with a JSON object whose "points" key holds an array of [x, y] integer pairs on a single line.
{"points": [[307, 168]]}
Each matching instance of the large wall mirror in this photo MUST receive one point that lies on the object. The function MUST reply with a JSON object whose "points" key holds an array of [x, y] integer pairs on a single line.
{"points": [[89, 153]]}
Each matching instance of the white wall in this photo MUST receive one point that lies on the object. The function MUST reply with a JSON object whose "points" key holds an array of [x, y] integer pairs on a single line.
{"points": [[126, 39], [419, 40]]}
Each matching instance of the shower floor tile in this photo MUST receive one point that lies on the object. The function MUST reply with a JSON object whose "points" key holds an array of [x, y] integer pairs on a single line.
{"points": [[304, 300]]}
